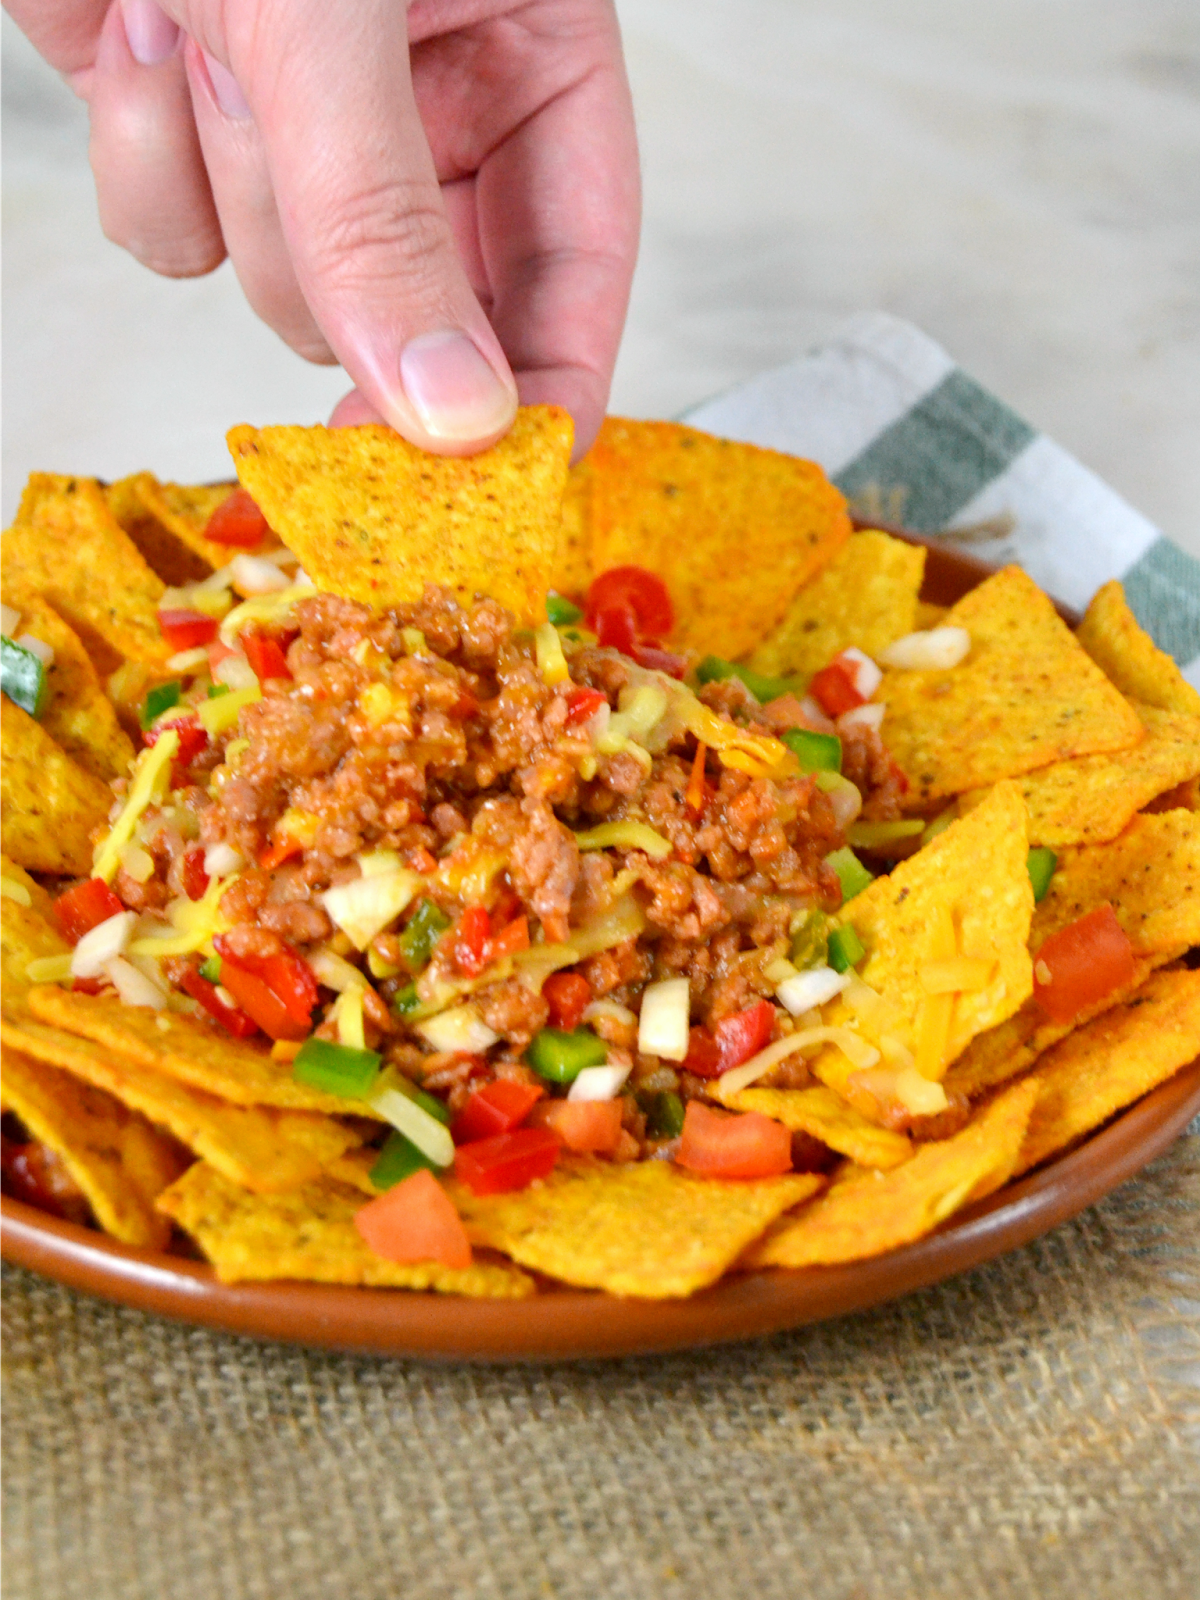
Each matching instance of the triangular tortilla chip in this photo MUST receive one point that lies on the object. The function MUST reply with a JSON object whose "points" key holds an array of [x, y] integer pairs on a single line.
{"points": [[884, 1210], [1027, 694], [48, 804], [866, 595], [1129, 657], [183, 511], [573, 571], [119, 1161], [26, 934], [310, 1234], [173, 560], [373, 518], [646, 1229], [732, 530], [39, 900]]}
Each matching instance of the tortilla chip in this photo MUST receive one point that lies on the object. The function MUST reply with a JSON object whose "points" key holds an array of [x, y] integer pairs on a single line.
{"points": [[573, 569], [26, 934], [865, 595], [1184, 796], [646, 1229], [888, 1209], [1027, 694], [264, 1149], [175, 563], [67, 545], [78, 715], [827, 1117], [1090, 800], [929, 615], [976, 869], [39, 899], [375, 519], [119, 1161], [187, 1049], [48, 804], [310, 1234], [732, 530], [1101, 1068], [183, 510], [1112, 637]]}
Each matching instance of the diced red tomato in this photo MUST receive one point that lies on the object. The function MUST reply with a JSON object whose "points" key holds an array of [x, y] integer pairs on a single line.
{"points": [[510, 939], [616, 629], [282, 850], [644, 593], [712, 1051], [568, 994], [85, 907], [470, 939], [703, 1059], [184, 630], [192, 739], [1082, 964], [415, 1221], [195, 879], [507, 1161], [582, 705], [493, 1109], [237, 521], [650, 654], [232, 1018], [723, 1144], [265, 656], [835, 690], [583, 1125], [278, 991]]}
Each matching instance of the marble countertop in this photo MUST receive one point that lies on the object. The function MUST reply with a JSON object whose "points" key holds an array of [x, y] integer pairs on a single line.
{"points": [[1022, 181]]}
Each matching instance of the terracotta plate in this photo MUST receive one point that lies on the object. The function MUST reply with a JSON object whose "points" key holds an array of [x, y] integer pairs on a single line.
{"points": [[571, 1323]]}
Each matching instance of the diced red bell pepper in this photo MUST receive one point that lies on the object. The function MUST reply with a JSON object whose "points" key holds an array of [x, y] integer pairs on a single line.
{"points": [[415, 1221], [568, 994], [616, 629], [510, 939], [232, 1018], [583, 704], [184, 629], [84, 907], [470, 939], [734, 1040], [195, 879], [279, 991], [507, 1161], [835, 690], [1082, 964], [585, 1126], [641, 592], [259, 1001], [493, 1109], [192, 739], [723, 1144], [237, 521], [265, 656]]}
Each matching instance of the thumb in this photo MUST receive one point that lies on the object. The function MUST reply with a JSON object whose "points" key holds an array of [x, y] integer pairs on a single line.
{"points": [[361, 209]]}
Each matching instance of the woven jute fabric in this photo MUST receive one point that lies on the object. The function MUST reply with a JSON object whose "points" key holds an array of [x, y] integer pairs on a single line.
{"points": [[1029, 1429]]}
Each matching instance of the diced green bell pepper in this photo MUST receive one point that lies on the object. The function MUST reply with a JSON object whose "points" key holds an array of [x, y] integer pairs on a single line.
{"points": [[845, 949], [398, 1160], [561, 1056], [161, 698], [216, 690], [211, 969], [1041, 864], [23, 676], [336, 1068], [816, 752], [712, 669], [560, 610], [810, 943], [852, 875], [425, 927], [405, 1001], [664, 1115]]}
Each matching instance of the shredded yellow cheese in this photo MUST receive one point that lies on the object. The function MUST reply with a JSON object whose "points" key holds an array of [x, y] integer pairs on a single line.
{"points": [[151, 775]]}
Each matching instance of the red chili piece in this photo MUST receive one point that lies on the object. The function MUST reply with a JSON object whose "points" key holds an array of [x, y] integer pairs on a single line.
{"points": [[568, 994], [582, 705], [616, 629], [237, 521], [184, 629], [470, 939], [278, 991], [508, 1161], [85, 907], [734, 1040], [195, 879], [265, 656], [644, 593], [192, 739], [232, 1018]]}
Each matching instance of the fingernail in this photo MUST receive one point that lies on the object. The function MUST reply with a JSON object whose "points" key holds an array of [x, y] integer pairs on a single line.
{"points": [[453, 388], [229, 97], [151, 33]]}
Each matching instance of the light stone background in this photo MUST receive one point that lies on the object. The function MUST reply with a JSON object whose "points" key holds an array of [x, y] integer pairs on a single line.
{"points": [[1021, 178]]}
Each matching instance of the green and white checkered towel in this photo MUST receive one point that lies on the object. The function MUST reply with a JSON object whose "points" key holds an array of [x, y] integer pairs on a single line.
{"points": [[911, 439]]}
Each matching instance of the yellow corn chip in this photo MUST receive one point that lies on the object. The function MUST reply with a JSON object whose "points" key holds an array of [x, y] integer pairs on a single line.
{"points": [[865, 595], [375, 519], [39, 900], [189, 1050], [67, 545], [975, 869], [1151, 875], [183, 511], [310, 1234], [573, 570], [888, 1209], [174, 561], [1112, 637], [48, 804], [826, 1116], [264, 1149], [1111, 1062], [26, 934], [119, 1161], [78, 715], [649, 1229], [1027, 694], [929, 615], [1091, 799], [732, 530], [1183, 797]]}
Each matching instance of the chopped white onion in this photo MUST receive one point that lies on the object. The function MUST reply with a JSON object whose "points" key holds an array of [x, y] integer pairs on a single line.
{"points": [[815, 718], [867, 676], [663, 1024], [336, 973], [221, 859], [930, 650], [599, 1083], [844, 797], [809, 989], [461, 1030], [364, 906], [138, 863], [134, 988], [375, 863], [431, 1137], [10, 621], [36, 647], [189, 660], [868, 716], [610, 1009], [254, 575], [235, 672], [101, 944]]}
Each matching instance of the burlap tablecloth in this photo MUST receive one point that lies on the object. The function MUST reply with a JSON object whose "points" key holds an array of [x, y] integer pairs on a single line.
{"points": [[1028, 1429]]}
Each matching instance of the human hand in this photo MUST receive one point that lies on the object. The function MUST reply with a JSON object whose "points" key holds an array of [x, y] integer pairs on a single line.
{"points": [[445, 199]]}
